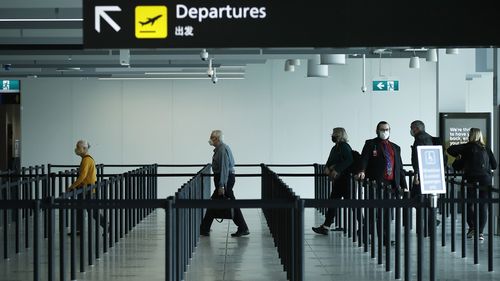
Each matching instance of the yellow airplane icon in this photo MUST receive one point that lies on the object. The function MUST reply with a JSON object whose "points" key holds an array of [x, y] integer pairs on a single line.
{"points": [[151, 22]]}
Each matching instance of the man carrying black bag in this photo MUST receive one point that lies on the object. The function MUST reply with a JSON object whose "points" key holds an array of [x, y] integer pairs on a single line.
{"points": [[223, 168]]}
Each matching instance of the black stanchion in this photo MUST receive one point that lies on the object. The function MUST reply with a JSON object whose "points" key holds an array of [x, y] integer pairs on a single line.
{"points": [[380, 230], [474, 188], [51, 237], [73, 214], [420, 241], [62, 244], [36, 240], [432, 252], [464, 217], [490, 229], [407, 246], [397, 250], [453, 214]]}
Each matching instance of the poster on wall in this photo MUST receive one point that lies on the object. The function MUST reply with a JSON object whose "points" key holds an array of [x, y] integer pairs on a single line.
{"points": [[454, 128]]}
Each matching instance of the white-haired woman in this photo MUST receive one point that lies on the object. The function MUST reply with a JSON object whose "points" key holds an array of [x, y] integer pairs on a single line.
{"points": [[478, 161], [339, 160]]}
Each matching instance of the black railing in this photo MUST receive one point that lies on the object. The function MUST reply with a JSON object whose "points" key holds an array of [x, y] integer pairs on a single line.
{"points": [[285, 224], [369, 217], [32, 200], [371, 226]]}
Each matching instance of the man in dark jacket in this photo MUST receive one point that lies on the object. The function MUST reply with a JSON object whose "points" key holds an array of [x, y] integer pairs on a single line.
{"points": [[381, 159], [417, 130]]}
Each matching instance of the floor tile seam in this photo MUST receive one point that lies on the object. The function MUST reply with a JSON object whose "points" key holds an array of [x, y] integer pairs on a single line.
{"points": [[316, 256]]}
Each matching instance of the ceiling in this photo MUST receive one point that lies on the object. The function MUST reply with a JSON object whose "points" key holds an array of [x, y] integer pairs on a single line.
{"points": [[45, 39]]}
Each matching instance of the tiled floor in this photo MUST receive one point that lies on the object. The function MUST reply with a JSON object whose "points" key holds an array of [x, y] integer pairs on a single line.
{"points": [[140, 256]]}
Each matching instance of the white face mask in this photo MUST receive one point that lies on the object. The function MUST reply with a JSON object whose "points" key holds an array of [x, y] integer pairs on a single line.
{"points": [[383, 135], [411, 133], [77, 152], [211, 142]]}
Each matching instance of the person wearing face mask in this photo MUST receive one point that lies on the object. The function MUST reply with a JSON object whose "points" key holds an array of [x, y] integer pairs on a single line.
{"points": [[87, 175], [336, 166], [381, 159], [223, 168], [417, 130]]}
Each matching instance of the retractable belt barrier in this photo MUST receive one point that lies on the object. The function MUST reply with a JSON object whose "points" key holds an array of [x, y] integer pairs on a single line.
{"points": [[371, 215]]}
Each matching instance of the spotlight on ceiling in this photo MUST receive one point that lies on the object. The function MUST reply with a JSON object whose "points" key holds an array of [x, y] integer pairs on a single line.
{"points": [[214, 77], [289, 67], [332, 59], [414, 62], [315, 69], [204, 54], [431, 55], [452, 51], [125, 57], [210, 71]]}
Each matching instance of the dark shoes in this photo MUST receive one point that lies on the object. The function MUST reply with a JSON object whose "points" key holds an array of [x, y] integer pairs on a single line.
{"points": [[320, 230], [240, 233], [77, 233], [204, 233]]}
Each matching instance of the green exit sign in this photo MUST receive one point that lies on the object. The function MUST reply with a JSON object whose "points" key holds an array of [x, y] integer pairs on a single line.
{"points": [[385, 85]]}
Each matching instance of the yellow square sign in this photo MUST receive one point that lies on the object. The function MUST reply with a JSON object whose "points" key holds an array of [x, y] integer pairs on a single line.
{"points": [[151, 22]]}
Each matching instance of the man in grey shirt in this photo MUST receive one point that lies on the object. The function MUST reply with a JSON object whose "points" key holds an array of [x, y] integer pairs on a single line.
{"points": [[223, 168]]}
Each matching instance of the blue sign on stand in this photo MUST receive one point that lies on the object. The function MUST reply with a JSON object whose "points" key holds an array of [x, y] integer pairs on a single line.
{"points": [[431, 169]]}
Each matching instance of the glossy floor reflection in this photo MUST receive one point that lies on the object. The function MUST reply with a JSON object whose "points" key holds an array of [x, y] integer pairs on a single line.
{"points": [[140, 256]]}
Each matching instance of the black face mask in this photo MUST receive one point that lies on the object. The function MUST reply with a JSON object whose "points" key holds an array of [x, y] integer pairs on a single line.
{"points": [[335, 139]]}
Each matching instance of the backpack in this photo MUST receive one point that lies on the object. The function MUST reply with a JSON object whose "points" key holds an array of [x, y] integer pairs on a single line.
{"points": [[354, 167], [479, 164]]}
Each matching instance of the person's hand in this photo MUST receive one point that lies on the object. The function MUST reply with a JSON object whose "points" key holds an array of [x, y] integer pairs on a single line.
{"points": [[416, 180], [360, 175], [220, 191], [333, 174], [327, 171]]}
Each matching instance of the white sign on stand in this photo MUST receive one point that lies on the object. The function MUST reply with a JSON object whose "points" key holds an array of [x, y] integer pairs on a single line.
{"points": [[431, 169]]}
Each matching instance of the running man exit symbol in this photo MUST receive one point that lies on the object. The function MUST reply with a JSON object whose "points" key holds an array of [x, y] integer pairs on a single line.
{"points": [[151, 22]]}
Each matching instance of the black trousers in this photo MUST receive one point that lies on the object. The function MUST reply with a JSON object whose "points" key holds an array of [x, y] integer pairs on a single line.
{"points": [[340, 190], [471, 194], [238, 216]]}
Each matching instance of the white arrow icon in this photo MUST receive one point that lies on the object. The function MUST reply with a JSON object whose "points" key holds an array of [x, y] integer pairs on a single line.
{"points": [[380, 85], [100, 11]]}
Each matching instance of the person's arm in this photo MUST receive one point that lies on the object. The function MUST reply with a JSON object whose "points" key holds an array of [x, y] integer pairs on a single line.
{"points": [[402, 177], [82, 173], [365, 156], [224, 168], [493, 161], [329, 162], [455, 150]]}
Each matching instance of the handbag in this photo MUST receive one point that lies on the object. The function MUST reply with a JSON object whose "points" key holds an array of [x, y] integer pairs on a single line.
{"points": [[221, 213]]}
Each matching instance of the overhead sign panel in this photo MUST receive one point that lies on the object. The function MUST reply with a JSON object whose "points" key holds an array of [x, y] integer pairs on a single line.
{"points": [[293, 23]]}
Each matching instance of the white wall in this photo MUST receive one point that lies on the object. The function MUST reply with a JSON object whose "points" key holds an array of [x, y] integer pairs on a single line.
{"points": [[269, 117]]}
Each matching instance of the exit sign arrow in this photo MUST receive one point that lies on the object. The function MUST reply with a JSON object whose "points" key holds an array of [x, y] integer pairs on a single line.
{"points": [[100, 12]]}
